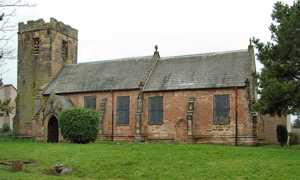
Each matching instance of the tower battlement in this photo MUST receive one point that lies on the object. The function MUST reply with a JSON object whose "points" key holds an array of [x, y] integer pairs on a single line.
{"points": [[53, 24]]}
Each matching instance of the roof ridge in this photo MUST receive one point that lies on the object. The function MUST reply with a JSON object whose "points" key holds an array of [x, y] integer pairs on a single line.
{"points": [[205, 54], [161, 58], [112, 60]]}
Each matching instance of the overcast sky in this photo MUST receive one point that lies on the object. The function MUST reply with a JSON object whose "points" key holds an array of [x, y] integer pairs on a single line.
{"points": [[122, 28]]}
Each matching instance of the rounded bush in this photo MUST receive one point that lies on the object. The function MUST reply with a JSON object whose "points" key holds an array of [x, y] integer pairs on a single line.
{"points": [[282, 134], [79, 125]]}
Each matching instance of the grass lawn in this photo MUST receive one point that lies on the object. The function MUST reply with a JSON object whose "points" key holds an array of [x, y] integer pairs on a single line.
{"points": [[152, 161]]}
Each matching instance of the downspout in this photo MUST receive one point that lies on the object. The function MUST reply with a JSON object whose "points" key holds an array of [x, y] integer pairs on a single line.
{"points": [[112, 114], [236, 116]]}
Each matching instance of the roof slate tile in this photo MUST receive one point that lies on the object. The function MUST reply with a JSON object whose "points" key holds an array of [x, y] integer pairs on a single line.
{"points": [[212, 70]]}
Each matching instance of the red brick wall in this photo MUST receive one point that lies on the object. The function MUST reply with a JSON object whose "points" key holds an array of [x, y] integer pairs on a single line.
{"points": [[121, 132], [174, 125], [175, 108]]}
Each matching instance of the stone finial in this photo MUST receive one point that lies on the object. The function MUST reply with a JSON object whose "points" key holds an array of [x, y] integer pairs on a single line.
{"points": [[247, 82], [250, 46], [141, 84], [156, 53]]}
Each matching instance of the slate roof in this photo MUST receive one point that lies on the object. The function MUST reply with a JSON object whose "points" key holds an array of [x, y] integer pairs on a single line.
{"points": [[211, 70], [101, 75]]}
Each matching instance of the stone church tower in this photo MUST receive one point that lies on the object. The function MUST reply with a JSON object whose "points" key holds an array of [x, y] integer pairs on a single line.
{"points": [[43, 49]]}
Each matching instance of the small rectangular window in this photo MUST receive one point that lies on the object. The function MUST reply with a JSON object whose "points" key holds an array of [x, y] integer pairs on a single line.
{"points": [[64, 50], [123, 107], [221, 109], [36, 46], [90, 102], [155, 110]]}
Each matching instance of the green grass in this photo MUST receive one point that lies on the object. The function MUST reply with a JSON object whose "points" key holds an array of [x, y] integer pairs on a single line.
{"points": [[152, 161]]}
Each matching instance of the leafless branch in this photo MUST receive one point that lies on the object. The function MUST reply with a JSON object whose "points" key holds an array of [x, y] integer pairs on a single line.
{"points": [[8, 28], [17, 3]]}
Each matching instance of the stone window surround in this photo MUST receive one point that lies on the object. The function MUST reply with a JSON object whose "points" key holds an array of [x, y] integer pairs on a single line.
{"points": [[64, 50], [118, 123], [229, 110], [149, 111], [36, 46], [85, 98]]}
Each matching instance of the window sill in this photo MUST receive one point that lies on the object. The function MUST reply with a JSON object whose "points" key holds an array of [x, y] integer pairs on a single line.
{"points": [[121, 124], [149, 123], [221, 124], [221, 127]]}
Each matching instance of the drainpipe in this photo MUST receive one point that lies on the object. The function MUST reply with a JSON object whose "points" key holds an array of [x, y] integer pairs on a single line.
{"points": [[112, 114], [236, 116]]}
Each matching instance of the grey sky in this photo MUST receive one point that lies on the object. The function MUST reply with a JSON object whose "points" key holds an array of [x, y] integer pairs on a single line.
{"points": [[116, 28]]}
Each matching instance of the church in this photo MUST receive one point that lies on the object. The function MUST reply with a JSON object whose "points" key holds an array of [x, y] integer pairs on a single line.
{"points": [[197, 98]]}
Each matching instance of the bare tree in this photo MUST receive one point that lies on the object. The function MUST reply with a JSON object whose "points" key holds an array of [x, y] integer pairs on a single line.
{"points": [[8, 29]]}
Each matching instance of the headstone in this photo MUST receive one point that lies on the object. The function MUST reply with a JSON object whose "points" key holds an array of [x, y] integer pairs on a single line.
{"points": [[60, 169]]}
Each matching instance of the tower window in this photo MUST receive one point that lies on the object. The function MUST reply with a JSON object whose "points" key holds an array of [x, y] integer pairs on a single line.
{"points": [[36, 46], [64, 50]]}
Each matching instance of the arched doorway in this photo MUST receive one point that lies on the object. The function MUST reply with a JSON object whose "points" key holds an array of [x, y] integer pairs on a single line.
{"points": [[52, 130]]}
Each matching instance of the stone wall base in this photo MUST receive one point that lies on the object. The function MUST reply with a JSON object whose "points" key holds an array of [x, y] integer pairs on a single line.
{"points": [[230, 140]]}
